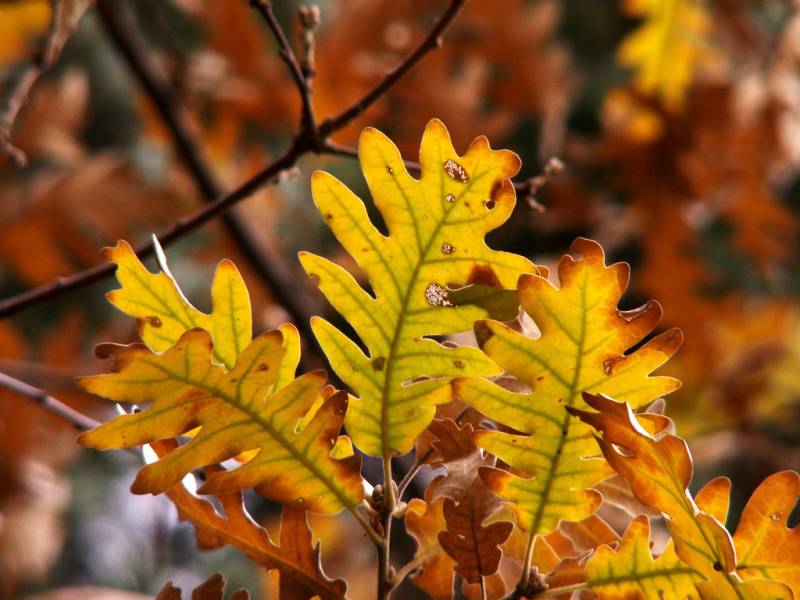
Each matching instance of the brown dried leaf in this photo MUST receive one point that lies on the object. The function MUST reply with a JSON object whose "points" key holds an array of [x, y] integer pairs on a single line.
{"points": [[236, 528], [212, 588]]}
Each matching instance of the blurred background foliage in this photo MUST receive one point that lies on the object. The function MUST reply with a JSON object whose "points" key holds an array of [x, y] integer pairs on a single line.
{"points": [[678, 122]]}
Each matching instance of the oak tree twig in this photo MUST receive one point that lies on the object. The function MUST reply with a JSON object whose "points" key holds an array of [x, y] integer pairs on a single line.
{"points": [[269, 264], [433, 40], [264, 7], [61, 28], [78, 420], [302, 144]]}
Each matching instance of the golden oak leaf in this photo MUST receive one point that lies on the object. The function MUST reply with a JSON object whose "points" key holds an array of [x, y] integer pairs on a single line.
{"points": [[436, 228], [164, 314], [630, 571], [765, 546], [424, 521], [293, 558], [236, 411], [212, 588], [659, 469], [667, 48], [583, 346]]}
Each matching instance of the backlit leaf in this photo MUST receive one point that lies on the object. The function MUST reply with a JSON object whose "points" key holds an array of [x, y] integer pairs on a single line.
{"points": [[631, 572], [436, 227], [583, 344], [659, 469], [295, 559], [164, 314], [212, 588], [424, 521], [236, 413]]}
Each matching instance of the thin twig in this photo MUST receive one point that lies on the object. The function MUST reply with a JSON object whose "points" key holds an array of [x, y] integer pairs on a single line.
{"points": [[264, 7], [302, 144], [527, 188], [78, 420], [61, 28], [433, 40], [270, 265], [309, 23]]}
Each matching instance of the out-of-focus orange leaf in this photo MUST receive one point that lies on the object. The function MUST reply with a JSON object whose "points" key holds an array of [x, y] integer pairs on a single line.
{"points": [[20, 21]]}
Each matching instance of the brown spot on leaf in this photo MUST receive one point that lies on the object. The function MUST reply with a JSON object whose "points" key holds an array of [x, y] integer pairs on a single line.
{"points": [[153, 321], [263, 367], [484, 275], [455, 171], [448, 248], [450, 198], [378, 363]]}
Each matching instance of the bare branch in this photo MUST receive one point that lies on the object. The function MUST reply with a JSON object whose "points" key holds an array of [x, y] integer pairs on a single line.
{"points": [[264, 7], [309, 23], [270, 265], [304, 143], [61, 28], [433, 40], [78, 420], [62, 285]]}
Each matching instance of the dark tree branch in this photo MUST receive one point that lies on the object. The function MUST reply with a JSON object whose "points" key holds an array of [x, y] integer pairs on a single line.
{"points": [[61, 28], [433, 40], [264, 7], [271, 266], [80, 421], [62, 285], [304, 143]]}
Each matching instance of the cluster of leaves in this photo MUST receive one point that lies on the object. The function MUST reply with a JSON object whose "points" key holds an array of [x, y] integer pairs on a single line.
{"points": [[538, 445], [682, 155]]}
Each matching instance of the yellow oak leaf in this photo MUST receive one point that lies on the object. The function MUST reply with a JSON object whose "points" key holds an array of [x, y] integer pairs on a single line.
{"points": [[583, 346], [668, 46], [236, 412], [632, 572], [765, 546], [436, 227], [658, 469], [164, 313]]}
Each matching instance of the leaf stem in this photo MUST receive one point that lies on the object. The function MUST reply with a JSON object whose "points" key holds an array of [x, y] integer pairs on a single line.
{"points": [[386, 579]]}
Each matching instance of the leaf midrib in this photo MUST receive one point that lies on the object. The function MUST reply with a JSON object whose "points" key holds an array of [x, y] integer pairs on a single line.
{"points": [[237, 404], [401, 317]]}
